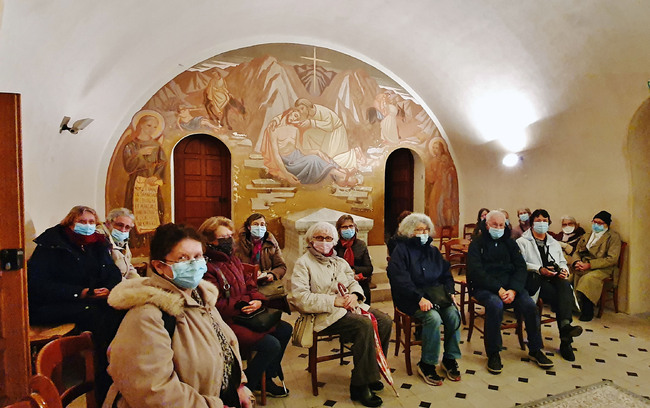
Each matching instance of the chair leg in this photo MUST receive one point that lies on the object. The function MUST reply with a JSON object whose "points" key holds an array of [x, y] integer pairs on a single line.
{"points": [[615, 294], [263, 389], [341, 349], [601, 301], [398, 332], [520, 331], [472, 313], [463, 292], [312, 366], [407, 343]]}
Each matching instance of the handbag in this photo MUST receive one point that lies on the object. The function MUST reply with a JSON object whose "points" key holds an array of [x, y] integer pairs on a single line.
{"points": [[261, 320], [303, 331], [272, 290], [438, 296]]}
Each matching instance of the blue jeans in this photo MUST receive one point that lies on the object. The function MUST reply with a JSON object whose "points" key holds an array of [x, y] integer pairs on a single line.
{"points": [[431, 321], [523, 305]]}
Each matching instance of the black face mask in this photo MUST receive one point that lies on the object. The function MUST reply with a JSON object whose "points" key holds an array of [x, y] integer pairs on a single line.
{"points": [[225, 245]]}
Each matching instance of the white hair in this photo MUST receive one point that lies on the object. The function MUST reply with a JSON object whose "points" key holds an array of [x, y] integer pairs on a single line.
{"points": [[410, 222], [570, 218], [119, 212], [322, 226], [493, 214]]}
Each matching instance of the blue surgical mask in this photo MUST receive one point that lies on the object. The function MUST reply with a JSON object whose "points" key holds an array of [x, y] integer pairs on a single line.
{"points": [[119, 236], [188, 274], [540, 227], [496, 233], [347, 233], [84, 229], [258, 231], [507, 222], [523, 217], [597, 227], [423, 238]]}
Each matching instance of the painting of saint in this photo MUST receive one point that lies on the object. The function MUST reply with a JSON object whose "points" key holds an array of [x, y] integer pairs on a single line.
{"points": [[216, 98], [286, 161], [144, 159], [388, 118], [442, 201]]}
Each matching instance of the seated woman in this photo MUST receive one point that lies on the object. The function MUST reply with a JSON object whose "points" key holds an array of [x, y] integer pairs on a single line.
{"points": [[199, 366], [71, 272], [117, 228], [569, 236], [355, 252], [414, 270], [594, 260], [482, 213], [313, 289], [225, 270]]}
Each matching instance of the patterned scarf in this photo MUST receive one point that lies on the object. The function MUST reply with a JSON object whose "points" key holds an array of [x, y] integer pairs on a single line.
{"points": [[348, 255], [257, 250]]}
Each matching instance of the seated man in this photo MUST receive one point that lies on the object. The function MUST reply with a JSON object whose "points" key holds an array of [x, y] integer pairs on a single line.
{"points": [[594, 260], [496, 273], [548, 275]]}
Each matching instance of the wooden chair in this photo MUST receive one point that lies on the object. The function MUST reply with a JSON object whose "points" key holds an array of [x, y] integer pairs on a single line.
{"points": [[64, 353], [459, 271], [454, 255], [405, 324], [141, 268], [474, 314], [247, 356], [468, 229], [314, 358], [44, 392], [445, 234], [41, 335], [610, 285]]}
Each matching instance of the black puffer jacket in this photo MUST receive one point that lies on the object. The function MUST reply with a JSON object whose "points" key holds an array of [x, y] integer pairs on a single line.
{"points": [[494, 264], [59, 270]]}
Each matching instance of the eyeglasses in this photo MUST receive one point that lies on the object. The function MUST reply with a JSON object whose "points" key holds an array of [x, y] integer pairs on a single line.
{"points": [[122, 226], [185, 259], [321, 238], [421, 230]]}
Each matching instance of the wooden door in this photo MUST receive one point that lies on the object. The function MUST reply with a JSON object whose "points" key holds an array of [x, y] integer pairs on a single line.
{"points": [[398, 188], [14, 323], [201, 180]]}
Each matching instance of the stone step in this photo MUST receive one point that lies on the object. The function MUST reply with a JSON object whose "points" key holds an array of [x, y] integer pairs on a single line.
{"points": [[381, 293]]}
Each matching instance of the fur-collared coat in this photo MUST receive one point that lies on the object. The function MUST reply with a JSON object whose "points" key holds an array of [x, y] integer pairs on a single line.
{"points": [[271, 260], [151, 370]]}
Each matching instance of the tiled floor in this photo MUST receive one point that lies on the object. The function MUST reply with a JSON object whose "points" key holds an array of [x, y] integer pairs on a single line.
{"points": [[615, 347]]}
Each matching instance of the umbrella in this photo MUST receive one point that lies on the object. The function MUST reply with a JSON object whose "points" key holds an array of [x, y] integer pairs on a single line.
{"points": [[384, 369]]}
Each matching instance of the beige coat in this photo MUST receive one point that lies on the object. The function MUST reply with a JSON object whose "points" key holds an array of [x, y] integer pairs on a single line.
{"points": [[121, 257], [313, 287], [148, 369], [603, 257]]}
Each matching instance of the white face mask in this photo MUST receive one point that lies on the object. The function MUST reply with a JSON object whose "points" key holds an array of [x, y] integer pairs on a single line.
{"points": [[568, 229]]}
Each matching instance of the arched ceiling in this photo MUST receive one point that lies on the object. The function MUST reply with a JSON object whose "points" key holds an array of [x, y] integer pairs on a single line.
{"points": [[529, 63]]}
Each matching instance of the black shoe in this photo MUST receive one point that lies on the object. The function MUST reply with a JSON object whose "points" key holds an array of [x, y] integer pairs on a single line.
{"points": [[429, 374], [569, 331], [275, 391], [540, 358], [450, 366], [494, 365], [566, 351], [586, 317], [366, 397], [376, 386], [587, 309]]}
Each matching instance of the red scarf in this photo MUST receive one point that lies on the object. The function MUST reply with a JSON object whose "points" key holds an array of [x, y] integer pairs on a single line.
{"points": [[348, 255], [257, 248], [81, 240]]}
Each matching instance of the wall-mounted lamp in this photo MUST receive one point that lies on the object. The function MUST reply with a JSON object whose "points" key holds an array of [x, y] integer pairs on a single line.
{"points": [[76, 127]]}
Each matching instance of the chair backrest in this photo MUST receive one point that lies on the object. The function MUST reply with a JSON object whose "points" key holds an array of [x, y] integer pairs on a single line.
{"points": [[70, 353], [619, 266], [468, 230], [456, 241], [445, 234], [22, 404], [44, 392]]}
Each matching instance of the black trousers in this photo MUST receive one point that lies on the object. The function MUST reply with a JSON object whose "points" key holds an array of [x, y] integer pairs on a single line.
{"points": [[559, 294]]}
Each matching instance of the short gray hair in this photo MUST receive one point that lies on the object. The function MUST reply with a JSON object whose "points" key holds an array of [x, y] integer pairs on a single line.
{"points": [[570, 218], [407, 226], [119, 212], [493, 214], [322, 226]]}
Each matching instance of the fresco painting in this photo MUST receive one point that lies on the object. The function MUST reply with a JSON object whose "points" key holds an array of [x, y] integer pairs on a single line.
{"points": [[304, 125]]}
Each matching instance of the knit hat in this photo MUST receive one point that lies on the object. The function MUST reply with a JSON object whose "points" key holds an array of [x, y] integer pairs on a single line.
{"points": [[605, 216]]}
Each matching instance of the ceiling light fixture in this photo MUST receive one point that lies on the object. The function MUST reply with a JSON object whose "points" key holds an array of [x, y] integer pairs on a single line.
{"points": [[511, 160]]}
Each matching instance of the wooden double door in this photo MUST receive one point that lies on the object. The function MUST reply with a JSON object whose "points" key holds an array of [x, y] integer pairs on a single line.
{"points": [[398, 188], [202, 182]]}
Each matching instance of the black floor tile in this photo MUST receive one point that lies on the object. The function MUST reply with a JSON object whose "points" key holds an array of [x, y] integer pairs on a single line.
{"points": [[613, 339], [550, 372], [600, 360], [424, 404], [632, 374], [478, 353], [461, 395], [493, 387], [593, 344], [471, 372], [622, 355], [329, 403], [643, 350], [578, 366], [406, 386], [522, 379]]}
